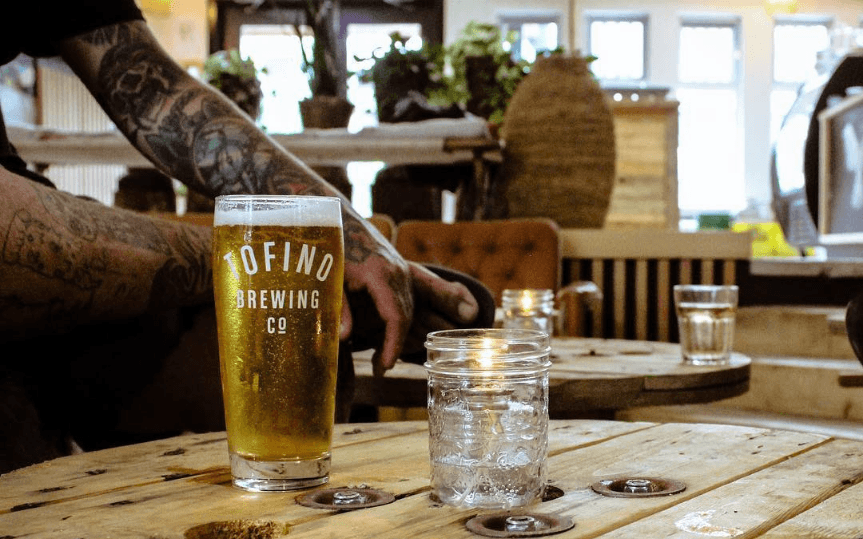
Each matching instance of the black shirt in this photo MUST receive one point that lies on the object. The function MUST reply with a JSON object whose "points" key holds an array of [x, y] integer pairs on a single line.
{"points": [[35, 27], [40, 25]]}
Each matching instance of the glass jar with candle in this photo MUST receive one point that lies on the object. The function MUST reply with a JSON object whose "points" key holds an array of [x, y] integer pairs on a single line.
{"points": [[488, 416], [528, 309]]}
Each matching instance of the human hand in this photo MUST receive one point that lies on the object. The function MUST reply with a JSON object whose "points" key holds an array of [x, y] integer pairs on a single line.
{"points": [[391, 307]]}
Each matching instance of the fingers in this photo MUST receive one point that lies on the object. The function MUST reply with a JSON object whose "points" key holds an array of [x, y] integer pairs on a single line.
{"points": [[397, 326], [391, 296], [451, 299], [425, 321]]}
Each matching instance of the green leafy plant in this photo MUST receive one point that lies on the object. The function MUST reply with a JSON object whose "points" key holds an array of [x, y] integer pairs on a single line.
{"points": [[397, 71], [476, 72], [237, 78], [484, 74]]}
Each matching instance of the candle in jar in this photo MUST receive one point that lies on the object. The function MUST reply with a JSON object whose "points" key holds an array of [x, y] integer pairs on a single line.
{"points": [[528, 309]]}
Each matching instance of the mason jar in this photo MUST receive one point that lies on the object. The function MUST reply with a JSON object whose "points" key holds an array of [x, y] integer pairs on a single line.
{"points": [[528, 308], [488, 416]]}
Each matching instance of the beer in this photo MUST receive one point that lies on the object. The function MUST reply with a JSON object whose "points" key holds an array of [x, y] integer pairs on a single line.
{"points": [[278, 287]]}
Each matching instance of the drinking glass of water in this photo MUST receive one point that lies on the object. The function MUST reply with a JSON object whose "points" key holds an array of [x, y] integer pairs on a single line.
{"points": [[705, 316]]}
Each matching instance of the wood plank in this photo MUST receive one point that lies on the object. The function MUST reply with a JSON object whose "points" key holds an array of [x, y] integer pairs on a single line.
{"points": [[685, 271], [598, 276], [316, 147], [700, 395], [752, 505], [729, 272], [619, 293], [641, 288], [663, 299], [707, 271], [836, 518], [152, 462], [740, 481], [850, 379], [653, 243], [171, 508], [397, 462], [652, 452], [587, 374], [645, 190]]}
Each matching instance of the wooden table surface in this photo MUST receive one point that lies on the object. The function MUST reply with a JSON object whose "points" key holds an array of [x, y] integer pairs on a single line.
{"points": [[740, 482], [587, 376]]}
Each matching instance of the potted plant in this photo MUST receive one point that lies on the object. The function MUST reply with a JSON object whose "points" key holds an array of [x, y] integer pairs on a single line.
{"points": [[406, 82], [484, 73], [237, 78], [327, 108]]}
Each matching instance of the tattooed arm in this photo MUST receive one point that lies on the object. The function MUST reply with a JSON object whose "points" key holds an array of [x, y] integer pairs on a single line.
{"points": [[68, 261], [195, 134]]}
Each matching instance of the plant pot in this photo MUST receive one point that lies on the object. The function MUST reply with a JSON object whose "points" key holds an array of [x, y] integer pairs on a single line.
{"points": [[397, 76], [481, 75], [326, 112]]}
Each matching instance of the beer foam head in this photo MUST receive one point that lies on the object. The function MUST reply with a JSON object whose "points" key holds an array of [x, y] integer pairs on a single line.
{"points": [[270, 210]]}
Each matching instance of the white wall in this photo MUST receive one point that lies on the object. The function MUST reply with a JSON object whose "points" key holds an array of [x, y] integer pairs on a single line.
{"points": [[181, 27], [664, 16]]}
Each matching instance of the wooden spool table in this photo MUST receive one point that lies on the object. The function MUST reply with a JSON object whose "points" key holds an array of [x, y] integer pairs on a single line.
{"points": [[588, 377], [739, 482]]}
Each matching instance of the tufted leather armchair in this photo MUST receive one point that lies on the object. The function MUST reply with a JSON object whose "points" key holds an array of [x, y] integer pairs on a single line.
{"points": [[513, 253]]}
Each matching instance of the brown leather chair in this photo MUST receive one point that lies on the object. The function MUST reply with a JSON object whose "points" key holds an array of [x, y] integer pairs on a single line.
{"points": [[512, 253]]}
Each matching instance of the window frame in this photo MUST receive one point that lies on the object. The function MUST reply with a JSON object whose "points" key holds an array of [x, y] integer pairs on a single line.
{"points": [[794, 20], [514, 20], [621, 16], [733, 22]]}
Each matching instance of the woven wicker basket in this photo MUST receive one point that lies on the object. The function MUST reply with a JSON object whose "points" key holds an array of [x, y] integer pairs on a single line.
{"points": [[559, 155]]}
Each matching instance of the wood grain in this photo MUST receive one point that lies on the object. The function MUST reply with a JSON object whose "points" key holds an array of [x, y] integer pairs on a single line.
{"points": [[586, 375], [740, 482]]}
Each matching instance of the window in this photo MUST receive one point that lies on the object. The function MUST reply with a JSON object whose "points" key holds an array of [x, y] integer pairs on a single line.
{"points": [[534, 34], [796, 44], [276, 48], [710, 164], [264, 32], [619, 43]]}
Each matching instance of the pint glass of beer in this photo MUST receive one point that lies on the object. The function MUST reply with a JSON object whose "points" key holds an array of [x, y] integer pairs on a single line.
{"points": [[278, 267]]}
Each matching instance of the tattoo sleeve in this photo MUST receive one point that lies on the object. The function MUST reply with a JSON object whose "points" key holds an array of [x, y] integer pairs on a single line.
{"points": [[75, 261], [187, 128], [191, 131]]}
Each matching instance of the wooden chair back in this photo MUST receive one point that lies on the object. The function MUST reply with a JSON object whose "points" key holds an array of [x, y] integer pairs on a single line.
{"points": [[637, 269]]}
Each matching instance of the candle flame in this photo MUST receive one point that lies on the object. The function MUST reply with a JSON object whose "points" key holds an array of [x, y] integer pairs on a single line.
{"points": [[526, 300]]}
